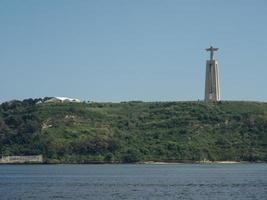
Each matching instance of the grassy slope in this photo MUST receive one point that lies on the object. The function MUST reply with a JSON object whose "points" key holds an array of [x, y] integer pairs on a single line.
{"points": [[161, 131]]}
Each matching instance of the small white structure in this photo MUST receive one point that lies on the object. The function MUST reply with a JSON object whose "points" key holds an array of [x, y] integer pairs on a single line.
{"points": [[21, 159], [62, 100]]}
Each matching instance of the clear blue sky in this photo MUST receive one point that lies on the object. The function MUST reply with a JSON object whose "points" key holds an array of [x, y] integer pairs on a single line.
{"points": [[120, 50]]}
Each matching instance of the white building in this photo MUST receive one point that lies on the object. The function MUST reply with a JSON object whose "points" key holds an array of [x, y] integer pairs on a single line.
{"points": [[21, 159], [62, 100]]}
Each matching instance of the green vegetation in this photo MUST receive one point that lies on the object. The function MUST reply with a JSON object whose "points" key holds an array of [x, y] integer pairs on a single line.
{"points": [[134, 131]]}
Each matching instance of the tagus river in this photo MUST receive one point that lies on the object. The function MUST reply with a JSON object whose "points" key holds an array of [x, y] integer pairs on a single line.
{"points": [[141, 181]]}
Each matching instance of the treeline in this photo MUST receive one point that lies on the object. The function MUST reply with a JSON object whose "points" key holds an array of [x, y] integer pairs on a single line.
{"points": [[134, 131], [19, 128]]}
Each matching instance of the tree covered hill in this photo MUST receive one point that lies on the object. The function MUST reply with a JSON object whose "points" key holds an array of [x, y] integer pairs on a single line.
{"points": [[134, 131]]}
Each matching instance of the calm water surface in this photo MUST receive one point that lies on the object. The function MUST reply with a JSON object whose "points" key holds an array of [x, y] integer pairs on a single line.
{"points": [[97, 182]]}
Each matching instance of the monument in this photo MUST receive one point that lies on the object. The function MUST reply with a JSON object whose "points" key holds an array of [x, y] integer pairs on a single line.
{"points": [[212, 84]]}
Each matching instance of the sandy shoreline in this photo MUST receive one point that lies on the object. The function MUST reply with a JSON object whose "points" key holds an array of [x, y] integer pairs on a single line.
{"points": [[142, 162], [196, 162]]}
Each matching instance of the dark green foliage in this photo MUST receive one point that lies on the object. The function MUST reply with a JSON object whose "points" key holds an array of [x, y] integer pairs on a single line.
{"points": [[134, 131], [131, 156]]}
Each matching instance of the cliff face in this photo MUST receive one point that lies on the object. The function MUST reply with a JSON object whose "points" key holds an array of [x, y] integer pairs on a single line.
{"points": [[134, 131]]}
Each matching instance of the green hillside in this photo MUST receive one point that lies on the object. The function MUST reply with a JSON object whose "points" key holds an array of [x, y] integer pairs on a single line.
{"points": [[134, 131]]}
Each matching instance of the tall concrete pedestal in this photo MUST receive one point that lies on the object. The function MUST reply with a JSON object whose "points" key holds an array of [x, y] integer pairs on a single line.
{"points": [[212, 84]]}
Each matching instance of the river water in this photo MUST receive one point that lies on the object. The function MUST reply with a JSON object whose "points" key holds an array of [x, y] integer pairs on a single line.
{"points": [[141, 181]]}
